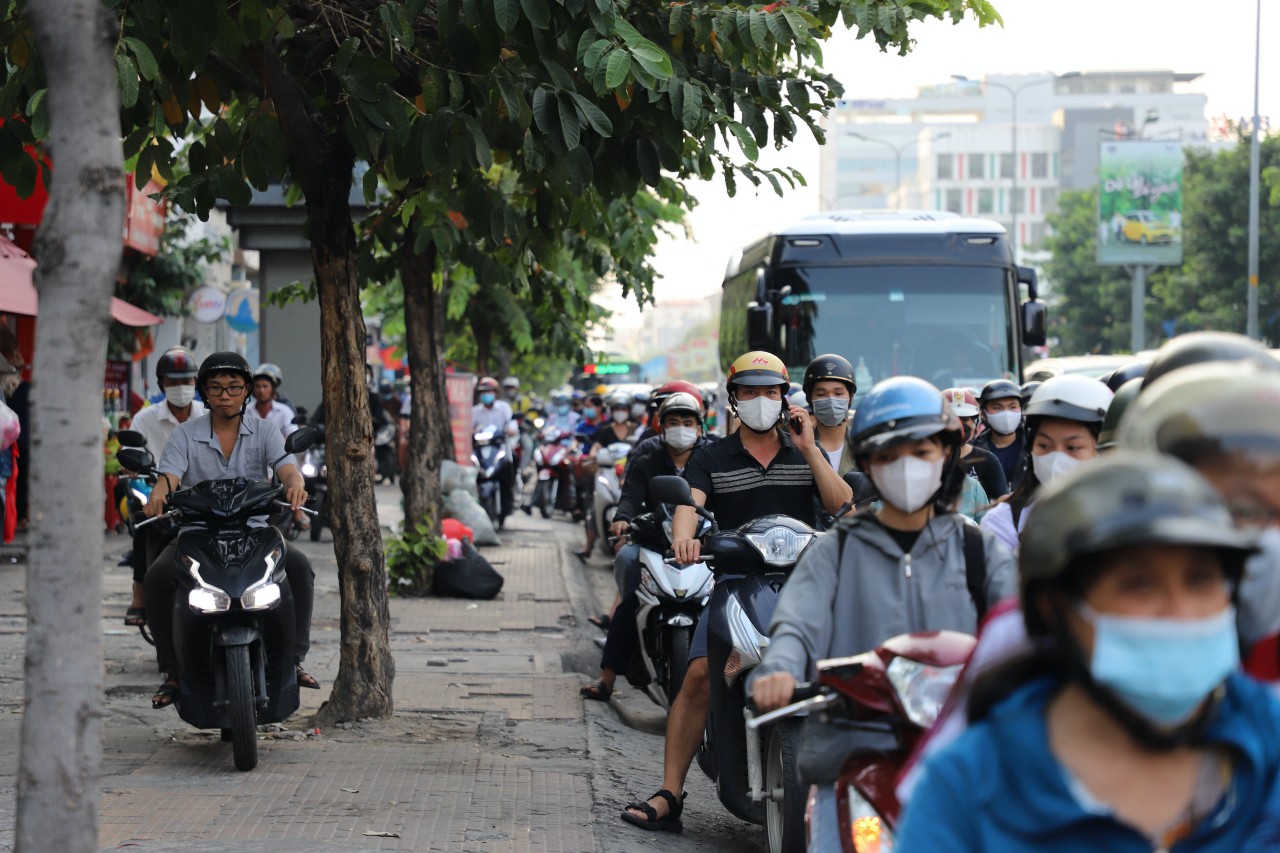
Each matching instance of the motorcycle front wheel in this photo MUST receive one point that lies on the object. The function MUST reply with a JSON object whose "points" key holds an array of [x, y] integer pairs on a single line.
{"points": [[784, 806], [677, 650], [244, 731]]}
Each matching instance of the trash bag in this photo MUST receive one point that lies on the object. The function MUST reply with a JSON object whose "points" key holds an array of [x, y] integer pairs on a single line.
{"points": [[463, 506], [469, 576], [454, 476]]}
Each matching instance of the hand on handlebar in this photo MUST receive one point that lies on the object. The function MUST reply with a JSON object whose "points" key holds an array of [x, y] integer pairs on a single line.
{"points": [[619, 528], [772, 691], [296, 496], [155, 505], [686, 551]]}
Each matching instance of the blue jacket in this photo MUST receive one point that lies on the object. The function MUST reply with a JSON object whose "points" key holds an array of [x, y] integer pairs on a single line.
{"points": [[999, 788]]}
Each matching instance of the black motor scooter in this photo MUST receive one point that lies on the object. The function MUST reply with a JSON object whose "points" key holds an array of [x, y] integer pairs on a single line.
{"points": [[490, 455], [234, 629], [315, 473]]}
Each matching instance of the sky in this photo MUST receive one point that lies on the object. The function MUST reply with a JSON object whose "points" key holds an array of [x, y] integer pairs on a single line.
{"points": [[1054, 36]]}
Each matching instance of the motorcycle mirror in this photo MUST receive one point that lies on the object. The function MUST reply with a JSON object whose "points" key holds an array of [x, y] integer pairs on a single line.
{"points": [[136, 459], [863, 488], [300, 439], [670, 489], [299, 420], [131, 438]]}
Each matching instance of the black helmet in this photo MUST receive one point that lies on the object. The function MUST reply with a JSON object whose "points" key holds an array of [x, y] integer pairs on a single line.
{"points": [[1028, 390], [1109, 437], [1121, 375], [223, 362], [829, 367], [999, 389], [177, 363], [1201, 347]]}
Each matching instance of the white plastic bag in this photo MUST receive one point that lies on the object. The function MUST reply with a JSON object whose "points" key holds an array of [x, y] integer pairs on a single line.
{"points": [[462, 506], [454, 476]]}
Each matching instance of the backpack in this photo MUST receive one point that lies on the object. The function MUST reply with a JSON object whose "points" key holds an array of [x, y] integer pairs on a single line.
{"points": [[975, 564]]}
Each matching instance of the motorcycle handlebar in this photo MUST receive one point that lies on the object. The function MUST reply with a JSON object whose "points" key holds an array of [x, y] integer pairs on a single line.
{"points": [[170, 514], [290, 506], [813, 703]]}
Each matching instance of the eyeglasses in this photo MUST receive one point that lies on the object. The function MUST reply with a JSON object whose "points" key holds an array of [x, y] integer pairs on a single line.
{"points": [[224, 390]]}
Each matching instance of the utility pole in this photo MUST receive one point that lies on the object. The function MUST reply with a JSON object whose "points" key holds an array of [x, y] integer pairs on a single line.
{"points": [[1254, 168]]}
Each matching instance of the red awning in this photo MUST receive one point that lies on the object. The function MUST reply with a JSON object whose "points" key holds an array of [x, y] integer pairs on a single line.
{"points": [[18, 294]]}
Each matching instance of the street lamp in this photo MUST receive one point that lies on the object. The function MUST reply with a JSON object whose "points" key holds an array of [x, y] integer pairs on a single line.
{"points": [[1014, 92], [898, 151]]}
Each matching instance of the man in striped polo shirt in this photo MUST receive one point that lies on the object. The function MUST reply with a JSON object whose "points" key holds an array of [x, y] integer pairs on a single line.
{"points": [[763, 468]]}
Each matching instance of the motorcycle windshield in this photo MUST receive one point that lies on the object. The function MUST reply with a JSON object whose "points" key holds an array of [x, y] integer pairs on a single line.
{"points": [[223, 500]]}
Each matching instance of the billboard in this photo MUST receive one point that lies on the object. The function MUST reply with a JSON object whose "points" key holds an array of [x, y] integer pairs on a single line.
{"points": [[1140, 203]]}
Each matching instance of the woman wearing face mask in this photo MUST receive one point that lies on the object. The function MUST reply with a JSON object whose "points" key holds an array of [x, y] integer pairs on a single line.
{"points": [[829, 388], [618, 428], [1128, 727], [1063, 418], [979, 464], [893, 571]]}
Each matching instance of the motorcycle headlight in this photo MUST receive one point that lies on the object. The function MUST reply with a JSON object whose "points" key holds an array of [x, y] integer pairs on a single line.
{"points": [[208, 600], [261, 597], [748, 642], [308, 470], [648, 583], [866, 830], [922, 688], [780, 546]]}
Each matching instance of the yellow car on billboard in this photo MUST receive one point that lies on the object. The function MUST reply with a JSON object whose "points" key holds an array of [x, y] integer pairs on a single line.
{"points": [[1144, 226]]}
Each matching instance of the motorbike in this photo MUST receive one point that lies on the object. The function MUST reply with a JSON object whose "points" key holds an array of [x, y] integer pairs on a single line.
{"points": [[554, 460], [315, 473], [491, 456], [234, 629], [886, 700], [671, 598], [611, 462], [756, 558], [137, 487], [384, 453]]}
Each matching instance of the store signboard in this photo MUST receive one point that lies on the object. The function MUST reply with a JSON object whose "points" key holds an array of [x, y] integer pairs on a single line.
{"points": [[242, 310], [207, 305], [460, 389], [1140, 203]]}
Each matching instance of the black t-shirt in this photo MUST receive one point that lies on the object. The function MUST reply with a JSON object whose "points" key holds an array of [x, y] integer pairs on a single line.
{"points": [[647, 461], [983, 466], [906, 539], [1011, 458], [739, 489]]}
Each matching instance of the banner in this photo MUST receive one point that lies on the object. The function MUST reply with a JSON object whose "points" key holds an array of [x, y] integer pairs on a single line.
{"points": [[1140, 203], [460, 389]]}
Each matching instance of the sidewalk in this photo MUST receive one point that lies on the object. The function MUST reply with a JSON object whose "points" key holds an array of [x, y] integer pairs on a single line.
{"points": [[487, 750]]}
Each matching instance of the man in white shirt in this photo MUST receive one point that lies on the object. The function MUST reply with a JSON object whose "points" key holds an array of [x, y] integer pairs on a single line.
{"points": [[495, 414], [266, 406], [176, 375]]}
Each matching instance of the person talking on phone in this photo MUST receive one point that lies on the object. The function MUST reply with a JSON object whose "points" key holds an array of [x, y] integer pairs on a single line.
{"points": [[771, 464]]}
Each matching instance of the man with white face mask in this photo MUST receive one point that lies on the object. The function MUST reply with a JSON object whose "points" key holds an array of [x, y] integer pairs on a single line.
{"points": [[1005, 438], [176, 376], [913, 565], [752, 473]]}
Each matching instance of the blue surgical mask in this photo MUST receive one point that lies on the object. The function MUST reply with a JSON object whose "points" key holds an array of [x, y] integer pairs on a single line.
{"points": [[588, 412], [1162, 669], [487, 398], [562, 409]]}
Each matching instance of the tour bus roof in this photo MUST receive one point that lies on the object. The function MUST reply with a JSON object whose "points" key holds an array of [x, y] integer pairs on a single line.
{"points": [[890, 222]]}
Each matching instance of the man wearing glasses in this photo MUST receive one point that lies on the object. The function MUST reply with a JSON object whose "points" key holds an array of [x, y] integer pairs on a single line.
{"points": [[221, 445]]}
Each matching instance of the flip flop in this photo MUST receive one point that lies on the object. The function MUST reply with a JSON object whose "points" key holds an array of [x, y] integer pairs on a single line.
{"points": [[306, 680], [599, 692], [165, 696], [602, 621]]}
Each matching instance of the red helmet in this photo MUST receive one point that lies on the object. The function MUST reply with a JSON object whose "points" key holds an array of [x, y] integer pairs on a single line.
{"points": [[675, 386], [963, 402]]}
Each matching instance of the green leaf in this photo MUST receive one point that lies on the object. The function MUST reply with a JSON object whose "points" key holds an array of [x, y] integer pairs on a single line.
{"points": [[653, 59], [618, 68], [595, 116], [38, 114], [538, 13], [544, 110], [483, 150], [370, 185], [447, 17], [517, 107], [778, 26], [508, 14], [629, 34], [745, 141], [145, 58], [759, 29], [127, 75], [742, 23], [797, 24], [570, 124], [594, 52], [691, 108], [560, 78], [678, 20]]}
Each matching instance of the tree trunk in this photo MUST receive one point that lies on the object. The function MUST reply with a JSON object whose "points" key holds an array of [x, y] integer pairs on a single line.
{"points": [[424, 341], [78, 247], [484, 345], [322, 163]]}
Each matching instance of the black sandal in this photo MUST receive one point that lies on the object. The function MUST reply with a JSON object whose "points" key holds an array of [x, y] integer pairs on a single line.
{"points": [[305, 679], [651, 821], [602, 621], [599, 691], [166, 695]]}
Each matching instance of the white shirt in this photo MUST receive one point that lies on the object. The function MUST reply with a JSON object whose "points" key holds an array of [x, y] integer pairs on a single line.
{"points": [[834, 456], [999, 520], [280, 415], [497, 416], [157, 422]]}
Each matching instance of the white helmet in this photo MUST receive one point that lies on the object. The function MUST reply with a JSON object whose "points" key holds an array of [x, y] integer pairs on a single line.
{"points": [[1071, 397]]}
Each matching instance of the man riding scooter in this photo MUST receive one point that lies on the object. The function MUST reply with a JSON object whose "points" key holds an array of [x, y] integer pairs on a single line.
{"points": [[220, 445], [763, 468], [490, 413]]}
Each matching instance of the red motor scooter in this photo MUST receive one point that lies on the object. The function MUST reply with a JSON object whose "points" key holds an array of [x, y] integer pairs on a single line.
{"points": [[890, 698], [555, 460]]}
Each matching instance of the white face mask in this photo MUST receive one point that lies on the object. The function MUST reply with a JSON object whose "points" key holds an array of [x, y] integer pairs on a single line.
{"points": [[637, 410], [1004, 422], [680, 438], [1052, 465], [760, 413], [180, 396], [621, 416], [909, 482]]}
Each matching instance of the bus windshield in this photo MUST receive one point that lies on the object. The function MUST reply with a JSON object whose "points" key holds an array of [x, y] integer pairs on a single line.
{"points": [[952, 326]]}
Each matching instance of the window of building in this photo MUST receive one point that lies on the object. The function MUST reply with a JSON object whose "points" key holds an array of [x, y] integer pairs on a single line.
{"points": [[1035, 234], [977, 166], [1006, 166], [1049, 199], [1020, 200], [986, 201], [946, 167], [955, 201], [1040, 165]]}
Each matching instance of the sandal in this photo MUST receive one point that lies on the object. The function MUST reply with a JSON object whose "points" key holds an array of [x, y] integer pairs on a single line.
{"points": [[599, 691], [582, 555], [166, 695], [135, 617], [602, 621], [306, 680], [651, 821]]}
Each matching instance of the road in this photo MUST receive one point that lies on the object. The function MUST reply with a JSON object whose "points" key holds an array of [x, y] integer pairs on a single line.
{"points": [[490, 749]]}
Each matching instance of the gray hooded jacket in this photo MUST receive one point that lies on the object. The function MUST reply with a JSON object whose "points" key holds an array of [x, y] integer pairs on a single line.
{"points": [[877, 592]]}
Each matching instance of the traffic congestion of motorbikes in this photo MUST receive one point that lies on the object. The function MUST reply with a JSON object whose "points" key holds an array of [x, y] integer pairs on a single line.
{"points": [[1008, 617]]}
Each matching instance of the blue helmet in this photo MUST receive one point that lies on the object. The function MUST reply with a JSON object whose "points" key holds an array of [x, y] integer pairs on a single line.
{"points": [[897, 411]]}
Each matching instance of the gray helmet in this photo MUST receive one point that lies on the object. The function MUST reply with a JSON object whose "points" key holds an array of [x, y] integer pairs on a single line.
{"points": [[269, 371], [1109, 437], [1121, 500], [1203, 347]]}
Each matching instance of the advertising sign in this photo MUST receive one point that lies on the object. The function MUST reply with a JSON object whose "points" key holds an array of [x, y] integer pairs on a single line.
{"points": [[207, 304], [242, 310], [1140, 203], [460, 389]]}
